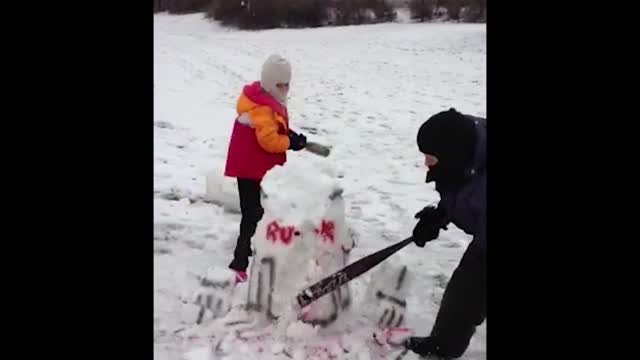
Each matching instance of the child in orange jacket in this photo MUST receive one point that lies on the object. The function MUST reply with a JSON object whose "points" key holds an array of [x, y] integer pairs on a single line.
{"points": [[259, 141]]}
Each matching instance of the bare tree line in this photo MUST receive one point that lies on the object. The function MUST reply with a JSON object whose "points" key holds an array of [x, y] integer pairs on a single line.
{"points": [[264, 14]]}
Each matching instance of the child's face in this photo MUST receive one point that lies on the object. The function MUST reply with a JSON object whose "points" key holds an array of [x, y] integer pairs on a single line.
{"points": [[283, 89]]}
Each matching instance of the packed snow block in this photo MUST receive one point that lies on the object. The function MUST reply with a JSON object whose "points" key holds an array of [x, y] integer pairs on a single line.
{"points": [[201, 353], [215, 295], [222, 191], [386, 297], [302, 237]]}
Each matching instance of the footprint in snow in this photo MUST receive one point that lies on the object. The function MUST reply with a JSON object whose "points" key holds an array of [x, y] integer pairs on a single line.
{"points": [[168, 226], [452, 244], [162, 251], [164, 237], [163, 125], [194, 244], [441, 280]]}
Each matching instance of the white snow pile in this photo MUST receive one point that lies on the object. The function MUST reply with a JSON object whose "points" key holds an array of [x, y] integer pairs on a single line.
{"points": [[222, 190], [300, 189]]}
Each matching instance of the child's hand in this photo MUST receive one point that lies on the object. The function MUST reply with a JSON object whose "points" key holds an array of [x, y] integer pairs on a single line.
{"points": [[297, 141]]}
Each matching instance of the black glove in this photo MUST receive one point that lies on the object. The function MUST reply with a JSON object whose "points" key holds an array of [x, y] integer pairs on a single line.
{"points": [[432, 219], [297, 141]]}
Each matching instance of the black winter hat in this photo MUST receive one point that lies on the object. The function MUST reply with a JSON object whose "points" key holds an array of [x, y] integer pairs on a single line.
{"points": [[451, 137]]}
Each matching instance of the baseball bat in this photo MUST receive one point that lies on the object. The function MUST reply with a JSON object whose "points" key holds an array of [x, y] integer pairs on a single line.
{"points": [[348, 273]]}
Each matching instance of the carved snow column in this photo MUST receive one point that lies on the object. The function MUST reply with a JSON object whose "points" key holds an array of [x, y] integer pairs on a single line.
{"points": [[386, 297], [296, 247]]}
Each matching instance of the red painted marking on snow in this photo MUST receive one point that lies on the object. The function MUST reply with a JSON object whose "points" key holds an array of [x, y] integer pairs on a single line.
{"points": [[276, 233], [272, 231], [286, 234], [327, 230]]}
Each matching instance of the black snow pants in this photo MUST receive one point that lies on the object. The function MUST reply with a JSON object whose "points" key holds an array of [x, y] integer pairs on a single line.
{"points": [[249, 191], [464, 303]]}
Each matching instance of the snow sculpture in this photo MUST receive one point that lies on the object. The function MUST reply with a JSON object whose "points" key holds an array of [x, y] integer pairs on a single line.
{"points": [[302, 237]]}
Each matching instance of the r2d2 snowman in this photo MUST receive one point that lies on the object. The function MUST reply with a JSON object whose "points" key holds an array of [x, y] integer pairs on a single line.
{"points": [[301, 238]]}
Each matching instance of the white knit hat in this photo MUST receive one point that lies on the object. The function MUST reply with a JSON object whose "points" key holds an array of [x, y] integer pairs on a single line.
{"points": [[275, 70]]}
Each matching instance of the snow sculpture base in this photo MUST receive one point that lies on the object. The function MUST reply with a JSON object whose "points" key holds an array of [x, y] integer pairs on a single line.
{"points": [[386, 298], [301, 238]]}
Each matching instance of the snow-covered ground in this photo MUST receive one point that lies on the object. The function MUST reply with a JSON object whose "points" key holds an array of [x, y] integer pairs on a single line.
{"points": [[362, 89]]}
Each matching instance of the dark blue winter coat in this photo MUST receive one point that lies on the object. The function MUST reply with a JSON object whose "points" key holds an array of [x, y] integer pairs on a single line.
{"points": [[467, 206]]}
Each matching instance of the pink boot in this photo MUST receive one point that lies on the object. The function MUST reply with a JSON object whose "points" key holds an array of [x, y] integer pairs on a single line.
{"points": [[241, 276]]}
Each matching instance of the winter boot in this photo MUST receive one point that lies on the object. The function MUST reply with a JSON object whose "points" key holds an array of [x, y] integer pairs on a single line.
{"points": [[241, 276], [426, 347]]}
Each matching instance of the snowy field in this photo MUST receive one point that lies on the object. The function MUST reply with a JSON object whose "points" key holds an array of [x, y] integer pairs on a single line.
{"points": [[364, 90]]}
